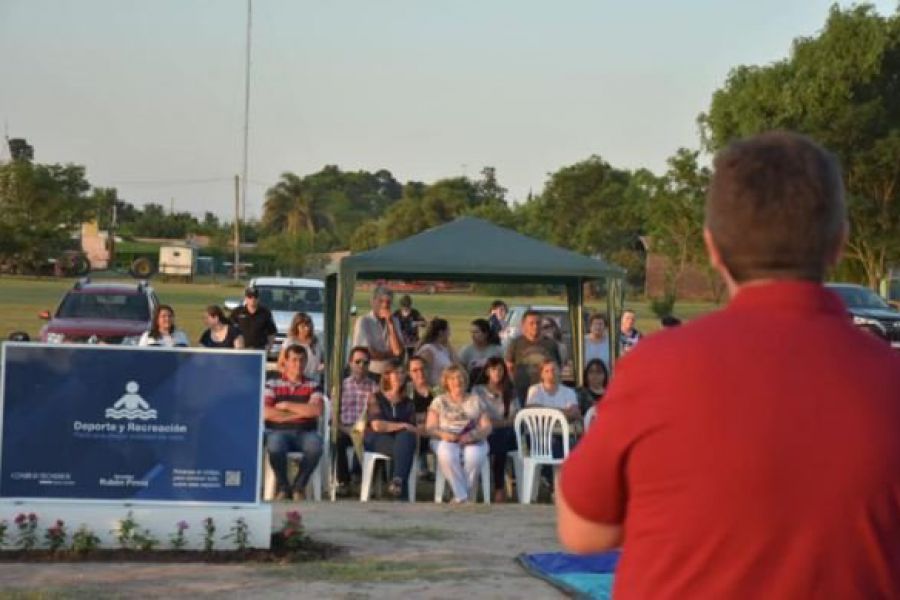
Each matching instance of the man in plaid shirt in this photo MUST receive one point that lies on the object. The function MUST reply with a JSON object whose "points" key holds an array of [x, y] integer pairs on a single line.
{"points": [[292, 406], [355, 393]]}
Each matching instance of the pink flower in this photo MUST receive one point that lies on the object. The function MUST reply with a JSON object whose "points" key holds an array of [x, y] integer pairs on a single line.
{"points": [[182, 525], [32, 517], [59, 523], [20, 518], [293, 516]]}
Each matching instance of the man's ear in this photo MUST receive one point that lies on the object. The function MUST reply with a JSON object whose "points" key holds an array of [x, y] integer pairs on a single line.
{"points": [[715, 260], [715, 257]]}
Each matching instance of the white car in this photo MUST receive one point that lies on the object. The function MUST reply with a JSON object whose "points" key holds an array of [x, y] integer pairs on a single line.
{"points": [[285, 297]]}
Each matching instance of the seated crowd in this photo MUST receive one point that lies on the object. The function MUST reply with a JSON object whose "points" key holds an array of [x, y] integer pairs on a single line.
{"points": [[404, 396]]}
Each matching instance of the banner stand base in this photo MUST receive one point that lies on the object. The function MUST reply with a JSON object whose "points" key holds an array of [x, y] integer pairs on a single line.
{"points": [[160, 520]]}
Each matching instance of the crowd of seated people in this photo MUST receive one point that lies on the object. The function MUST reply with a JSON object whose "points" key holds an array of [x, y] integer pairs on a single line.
{"points": [[411, 397]]}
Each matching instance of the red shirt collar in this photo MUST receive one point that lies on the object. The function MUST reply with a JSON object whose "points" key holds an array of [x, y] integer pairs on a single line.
{"points": [[788, 295]]}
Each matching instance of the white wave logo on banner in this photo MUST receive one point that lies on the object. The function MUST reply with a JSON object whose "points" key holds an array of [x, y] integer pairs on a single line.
{"points": [[131, 406]]}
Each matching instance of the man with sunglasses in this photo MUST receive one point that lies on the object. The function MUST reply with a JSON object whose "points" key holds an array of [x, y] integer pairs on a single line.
{"points": [[356, 390]]}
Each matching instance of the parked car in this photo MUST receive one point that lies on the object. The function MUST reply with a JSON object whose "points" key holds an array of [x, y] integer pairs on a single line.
{"points": [[101, 313], [869, 311], [285, 297]]}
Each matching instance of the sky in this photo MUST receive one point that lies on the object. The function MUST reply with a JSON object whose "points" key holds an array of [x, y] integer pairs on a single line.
{"points": [[148, 95]]}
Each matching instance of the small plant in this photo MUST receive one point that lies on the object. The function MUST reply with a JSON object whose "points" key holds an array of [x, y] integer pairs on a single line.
{"points": [[84, 540], [209, 534], [131, 537], [144, 540], [240, 533], [27, 526], [126, 531], [292, 530], [4, 527], [55, 536], [177, 539]]}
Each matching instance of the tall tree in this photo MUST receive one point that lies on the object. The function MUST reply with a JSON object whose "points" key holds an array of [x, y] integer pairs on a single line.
{"points": [[292, 208], [841, 87], [42, 205], [674, 215]]}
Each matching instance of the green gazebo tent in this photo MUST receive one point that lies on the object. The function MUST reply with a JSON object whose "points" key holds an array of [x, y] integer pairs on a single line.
{"points": [[471, 250]]}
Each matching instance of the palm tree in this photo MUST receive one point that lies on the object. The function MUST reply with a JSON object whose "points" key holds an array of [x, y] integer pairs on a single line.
{"points": [[291, 208]]}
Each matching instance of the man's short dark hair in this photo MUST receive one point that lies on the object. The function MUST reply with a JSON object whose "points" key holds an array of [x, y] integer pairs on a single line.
{"points": [[775, 207], [356, 349], [497, 304], [596, 317], [531, 313], [298, 350]]}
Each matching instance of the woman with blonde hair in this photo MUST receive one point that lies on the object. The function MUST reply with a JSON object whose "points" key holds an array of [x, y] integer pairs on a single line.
{"points": [[302, 332], [459, 425]]}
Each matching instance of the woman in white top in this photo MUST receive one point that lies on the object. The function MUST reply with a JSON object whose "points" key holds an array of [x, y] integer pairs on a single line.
{"points": [[436, 351], [162, 330], [550, 393], [302, 332], [459, 424]]}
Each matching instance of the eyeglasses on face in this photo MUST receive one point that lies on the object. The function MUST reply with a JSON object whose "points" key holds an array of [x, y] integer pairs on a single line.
{"points": [[361, 361]]}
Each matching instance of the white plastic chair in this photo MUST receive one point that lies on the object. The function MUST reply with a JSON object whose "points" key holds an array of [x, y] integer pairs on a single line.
{"points": [[318, 475], [368, 473], [541, 425], [440, 482]]}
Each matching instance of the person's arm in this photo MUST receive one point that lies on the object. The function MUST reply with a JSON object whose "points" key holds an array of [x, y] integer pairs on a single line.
{"points": [[572, 411], [594, 491], [481, 432], [239, 342], [271, 330], [581, 536], [276, 415], [395, 342], [432, 428], [382, 426], [311, 409]]}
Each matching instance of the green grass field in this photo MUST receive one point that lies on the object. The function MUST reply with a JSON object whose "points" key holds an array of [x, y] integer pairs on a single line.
{"points": [[22, 298]]}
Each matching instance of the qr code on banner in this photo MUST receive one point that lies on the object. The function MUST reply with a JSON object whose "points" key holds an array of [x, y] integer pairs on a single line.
{"points": [[232, 478]]}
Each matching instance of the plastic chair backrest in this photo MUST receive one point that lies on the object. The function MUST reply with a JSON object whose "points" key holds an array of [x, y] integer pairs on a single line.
{"points": [[325, 421], [541, 424]]}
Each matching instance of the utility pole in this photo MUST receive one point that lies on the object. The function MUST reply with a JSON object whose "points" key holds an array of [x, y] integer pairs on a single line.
{"points": [[237, 228], [246, 109]]}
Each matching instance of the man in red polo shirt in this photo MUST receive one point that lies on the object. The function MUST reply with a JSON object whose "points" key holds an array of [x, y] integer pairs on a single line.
{"points": [[755, 452]]}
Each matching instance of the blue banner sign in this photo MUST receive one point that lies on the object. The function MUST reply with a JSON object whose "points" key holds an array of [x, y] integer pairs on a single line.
{"points": [[126, 423]]}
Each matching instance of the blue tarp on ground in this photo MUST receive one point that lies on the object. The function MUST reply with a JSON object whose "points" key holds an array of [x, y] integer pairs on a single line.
{"points": [[584, 577]]}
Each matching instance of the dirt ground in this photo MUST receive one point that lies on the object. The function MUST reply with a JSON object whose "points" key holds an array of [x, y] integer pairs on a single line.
{"points": [[392, 550]]}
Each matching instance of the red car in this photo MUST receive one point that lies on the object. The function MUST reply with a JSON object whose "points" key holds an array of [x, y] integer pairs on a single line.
{"points": [[101, 313], [421, 287]]}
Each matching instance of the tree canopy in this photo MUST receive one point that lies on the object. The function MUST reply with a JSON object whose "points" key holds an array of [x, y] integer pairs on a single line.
{"points": [[842, 88]]}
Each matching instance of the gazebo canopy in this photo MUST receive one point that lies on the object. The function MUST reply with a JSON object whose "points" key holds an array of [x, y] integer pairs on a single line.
{"points": [[466, 249], [470, 249]]}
